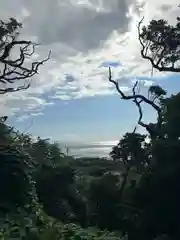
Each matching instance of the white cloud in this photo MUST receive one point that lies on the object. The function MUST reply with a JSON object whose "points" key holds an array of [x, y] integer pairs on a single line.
{"points": [[37, 114], [22, 118], [82, 36]]}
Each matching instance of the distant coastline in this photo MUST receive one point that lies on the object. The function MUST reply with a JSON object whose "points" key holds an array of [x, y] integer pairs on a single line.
{"points": [[100, 149]]}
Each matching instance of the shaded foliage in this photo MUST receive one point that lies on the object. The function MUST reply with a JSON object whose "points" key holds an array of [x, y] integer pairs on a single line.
{"points": [[160, 44]]}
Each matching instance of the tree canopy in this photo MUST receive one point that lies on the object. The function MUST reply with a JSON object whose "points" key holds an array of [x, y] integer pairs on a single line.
{"points": [[160, 44]]}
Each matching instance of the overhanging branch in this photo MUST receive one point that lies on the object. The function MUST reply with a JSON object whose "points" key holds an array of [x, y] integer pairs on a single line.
{"points": [[134, 96], [15, 58], [138, 99]]}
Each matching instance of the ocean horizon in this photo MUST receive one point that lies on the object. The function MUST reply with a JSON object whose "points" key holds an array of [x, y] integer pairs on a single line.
{"points": [[94, 149]]}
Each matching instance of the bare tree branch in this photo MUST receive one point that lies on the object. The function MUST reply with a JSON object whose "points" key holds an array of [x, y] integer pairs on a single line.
{"points": [[8, 90], [14, 70], [138, 99], [134, 96]]}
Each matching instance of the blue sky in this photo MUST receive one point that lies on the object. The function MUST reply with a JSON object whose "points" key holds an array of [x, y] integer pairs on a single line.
{"points": [[92, 120], [71, 100]]}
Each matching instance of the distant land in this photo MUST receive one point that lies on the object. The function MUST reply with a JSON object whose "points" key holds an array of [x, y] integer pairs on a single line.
{"points": [[97, 149]]}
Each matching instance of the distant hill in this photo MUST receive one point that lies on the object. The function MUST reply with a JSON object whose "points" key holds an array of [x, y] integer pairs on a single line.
{"points": [[95, 166]]}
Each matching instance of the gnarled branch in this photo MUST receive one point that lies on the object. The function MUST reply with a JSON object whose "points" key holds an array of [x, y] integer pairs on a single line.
{"points": [[14, 69], [134, 96], [138, 99]]}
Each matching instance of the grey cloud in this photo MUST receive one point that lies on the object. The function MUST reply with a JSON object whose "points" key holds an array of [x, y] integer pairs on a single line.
{"points": [[165, 7], [70, 78], [11, 8], [81, 28]]}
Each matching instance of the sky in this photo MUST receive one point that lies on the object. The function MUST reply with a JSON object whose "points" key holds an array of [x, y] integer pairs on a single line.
{"points": [[71, 100]]}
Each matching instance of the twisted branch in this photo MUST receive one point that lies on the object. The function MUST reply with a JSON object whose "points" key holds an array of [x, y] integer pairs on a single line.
{"points": [[14, 70], [134, 96], [138, 99]]}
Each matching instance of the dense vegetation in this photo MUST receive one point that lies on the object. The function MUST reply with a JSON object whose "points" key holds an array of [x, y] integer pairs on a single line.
{"points": [[46, 194]]}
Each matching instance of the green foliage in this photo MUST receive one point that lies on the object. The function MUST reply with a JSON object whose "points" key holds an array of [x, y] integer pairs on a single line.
{"points": [[10, 27], [53, 187], [55, 231], [95, 167], [102, 193], [160, 42], [48, 195], [131, 151], [15, 178], [52, 195], [171, 116], [156, 93]]}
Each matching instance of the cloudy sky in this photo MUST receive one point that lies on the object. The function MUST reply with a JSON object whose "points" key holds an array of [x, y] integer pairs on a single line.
{"points": [[71, 100]]}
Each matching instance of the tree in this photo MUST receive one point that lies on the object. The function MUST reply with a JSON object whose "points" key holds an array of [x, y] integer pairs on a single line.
{"points": [[157, 193], [13, 69], [160, 44], [52, 187], [104, 202], [131, 152], [156, 196], [171, 116], [16, 167], [155, 95]]}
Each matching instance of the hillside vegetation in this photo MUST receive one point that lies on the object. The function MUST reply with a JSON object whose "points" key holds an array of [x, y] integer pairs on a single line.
{"points": [[46, 194]]}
